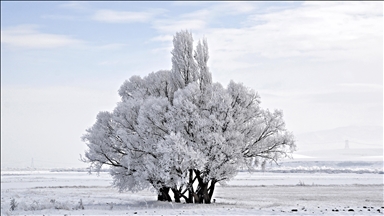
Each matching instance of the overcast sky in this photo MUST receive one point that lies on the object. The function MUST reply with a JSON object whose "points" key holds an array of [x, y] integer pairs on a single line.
{"points": [[63, 62]]}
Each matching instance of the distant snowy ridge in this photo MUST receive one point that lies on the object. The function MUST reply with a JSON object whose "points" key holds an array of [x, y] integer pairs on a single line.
{"points": [[357, 136], [323, 169], [359, 167], [75, 170]]}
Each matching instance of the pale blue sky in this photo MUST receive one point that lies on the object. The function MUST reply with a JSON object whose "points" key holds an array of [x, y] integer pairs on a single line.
{"points": [[63, 62]]}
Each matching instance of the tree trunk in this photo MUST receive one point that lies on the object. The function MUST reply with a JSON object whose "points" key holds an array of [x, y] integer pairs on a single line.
{"points": [[206, 197], [159, 197], [211, 189], [166, 194], [196, 198], [200, 188], [163, 194], [190, 189], [176, 195], [204, 193]]}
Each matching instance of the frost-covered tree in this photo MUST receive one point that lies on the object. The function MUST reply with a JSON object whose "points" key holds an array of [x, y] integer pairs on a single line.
{"points": [[184, 68], [201, 56], [230, 130], [178, 131]]}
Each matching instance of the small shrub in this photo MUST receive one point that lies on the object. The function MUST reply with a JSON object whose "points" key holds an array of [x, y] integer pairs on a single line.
{"points": [[13, 204], [59, 205], [80, 205], [301, 183], [110, 205], [34, 205]]}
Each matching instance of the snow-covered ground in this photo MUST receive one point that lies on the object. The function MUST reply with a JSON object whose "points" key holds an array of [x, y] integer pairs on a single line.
{"points": [[262, 193]]}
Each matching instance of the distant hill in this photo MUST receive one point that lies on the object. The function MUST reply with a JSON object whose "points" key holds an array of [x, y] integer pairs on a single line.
{"points": [[358, 137], [365, 143]]}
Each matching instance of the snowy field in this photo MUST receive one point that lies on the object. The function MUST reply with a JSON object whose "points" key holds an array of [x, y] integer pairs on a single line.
{"points": [[260, 193]]}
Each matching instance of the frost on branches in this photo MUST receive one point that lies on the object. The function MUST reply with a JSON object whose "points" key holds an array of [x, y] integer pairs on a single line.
{"points": [[178, 131]]}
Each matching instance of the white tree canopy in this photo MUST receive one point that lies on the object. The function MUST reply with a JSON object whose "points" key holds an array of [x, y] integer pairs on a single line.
{"points": [[173, 128]]}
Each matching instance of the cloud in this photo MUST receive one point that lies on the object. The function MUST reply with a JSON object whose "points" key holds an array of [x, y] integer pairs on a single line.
{"points": [[111, 46], [189, 3], [163, 38], [323, 31], [113, 62], [198, 20], [346, 98], [312, 32], [362, 87], [234, 7], [315, 110], [27, 36], [172, 25], [74, 5], [112, 16], [58, 17]]}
